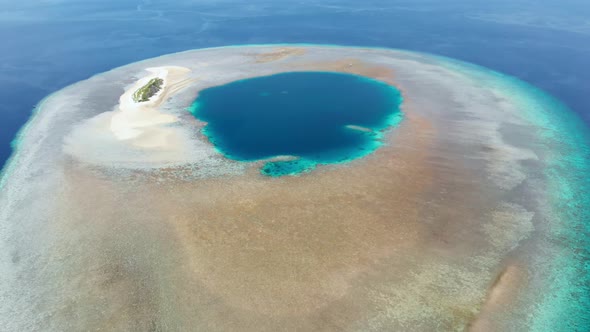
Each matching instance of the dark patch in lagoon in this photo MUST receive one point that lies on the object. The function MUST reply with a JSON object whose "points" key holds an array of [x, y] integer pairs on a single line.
{"points": [[315, 117]]}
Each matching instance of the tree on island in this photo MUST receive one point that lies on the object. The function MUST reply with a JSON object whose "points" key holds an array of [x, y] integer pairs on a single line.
{"points": [[149, 90]]}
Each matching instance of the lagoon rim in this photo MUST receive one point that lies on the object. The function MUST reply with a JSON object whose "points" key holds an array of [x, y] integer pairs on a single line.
{"points": [[314, 117]]}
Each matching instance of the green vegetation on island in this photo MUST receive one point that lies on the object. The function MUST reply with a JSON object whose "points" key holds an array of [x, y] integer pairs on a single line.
{"points": [[149, 90]]}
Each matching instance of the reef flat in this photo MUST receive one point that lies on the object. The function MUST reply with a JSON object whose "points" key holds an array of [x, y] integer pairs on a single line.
{"points": [[470, 215], [310, 117]]}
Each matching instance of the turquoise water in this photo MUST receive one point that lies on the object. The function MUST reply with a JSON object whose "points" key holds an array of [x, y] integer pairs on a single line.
{"points": [[562, 257], [313, 118]]}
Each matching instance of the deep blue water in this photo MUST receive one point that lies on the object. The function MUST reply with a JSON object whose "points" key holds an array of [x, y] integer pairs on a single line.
{"points": [[47, 45], [305, 115]]}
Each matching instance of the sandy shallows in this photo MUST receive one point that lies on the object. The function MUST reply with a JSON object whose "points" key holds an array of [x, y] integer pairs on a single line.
{"points": [[431, 232]]}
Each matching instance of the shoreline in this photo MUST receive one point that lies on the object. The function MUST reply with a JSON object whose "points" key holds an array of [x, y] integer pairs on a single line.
{"points": [[133, 120]]}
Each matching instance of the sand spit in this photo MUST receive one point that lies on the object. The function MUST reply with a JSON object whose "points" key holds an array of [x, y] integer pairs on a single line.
{"points": [[117, 215], [279, 53], [500, 296], [138, 122]]}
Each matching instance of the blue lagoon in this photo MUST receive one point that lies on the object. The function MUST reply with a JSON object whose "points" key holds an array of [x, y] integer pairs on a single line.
{"points": [[312, 117]]}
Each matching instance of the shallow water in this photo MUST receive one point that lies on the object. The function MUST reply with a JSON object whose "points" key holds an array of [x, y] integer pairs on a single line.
{"points": [[316, 117], [473, 217]]}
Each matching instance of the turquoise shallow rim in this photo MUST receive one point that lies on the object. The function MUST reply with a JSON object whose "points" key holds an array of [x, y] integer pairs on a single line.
{"points": [[22, 131]]}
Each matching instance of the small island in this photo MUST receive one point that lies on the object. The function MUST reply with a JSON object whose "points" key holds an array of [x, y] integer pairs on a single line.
{"points": [[147, 91]]}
